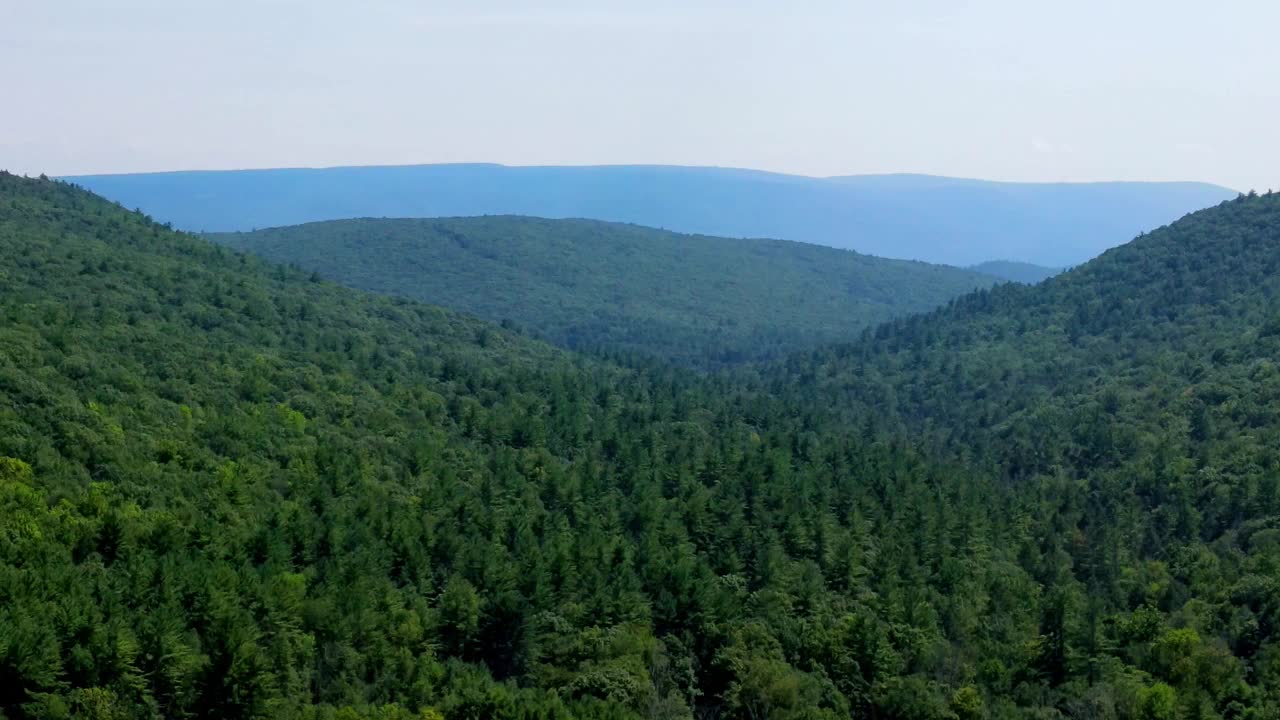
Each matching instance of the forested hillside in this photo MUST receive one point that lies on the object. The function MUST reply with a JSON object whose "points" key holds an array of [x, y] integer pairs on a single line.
{"points": [[955, 221], [697, 300], [228, 489], [1178, 321], [1140, 394]]}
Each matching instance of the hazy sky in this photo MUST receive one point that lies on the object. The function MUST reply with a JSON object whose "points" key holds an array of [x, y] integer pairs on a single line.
{"points": [[1006, 89]]}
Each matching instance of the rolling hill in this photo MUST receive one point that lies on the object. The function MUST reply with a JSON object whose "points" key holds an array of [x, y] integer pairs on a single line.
{"points": [[934, 219], [696, 300], [1015, 271]]}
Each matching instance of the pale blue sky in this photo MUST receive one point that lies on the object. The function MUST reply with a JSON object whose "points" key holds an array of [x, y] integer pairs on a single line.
{"points": [[1002, 89]]}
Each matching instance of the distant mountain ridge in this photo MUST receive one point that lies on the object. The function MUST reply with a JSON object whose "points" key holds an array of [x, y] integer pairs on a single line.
{"points": [[696, 300], [1016, 271], [936, 219]]}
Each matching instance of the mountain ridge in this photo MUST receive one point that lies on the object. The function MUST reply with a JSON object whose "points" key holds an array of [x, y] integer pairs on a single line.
{"points": [[957, 222], [583, 283], [730, 169], [1016, 271]]}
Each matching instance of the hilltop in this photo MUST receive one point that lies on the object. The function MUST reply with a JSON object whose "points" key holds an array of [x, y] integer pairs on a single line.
{"points": [[1015, 271]]}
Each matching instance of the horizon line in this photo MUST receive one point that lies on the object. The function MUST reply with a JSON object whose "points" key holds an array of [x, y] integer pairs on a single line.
{"points": [[603, 166]]}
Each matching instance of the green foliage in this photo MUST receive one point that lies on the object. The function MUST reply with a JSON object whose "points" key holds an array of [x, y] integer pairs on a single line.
{"points": [[1131, 405], [1158, 702], [624, 289], [232, 491], [229, 490]]}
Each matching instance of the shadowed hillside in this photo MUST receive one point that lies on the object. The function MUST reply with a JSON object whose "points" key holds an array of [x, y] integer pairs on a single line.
{"points": [[696, 300]]}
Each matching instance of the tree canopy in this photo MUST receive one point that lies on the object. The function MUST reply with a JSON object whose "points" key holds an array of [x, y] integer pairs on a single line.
{"points": [[231, 489]]}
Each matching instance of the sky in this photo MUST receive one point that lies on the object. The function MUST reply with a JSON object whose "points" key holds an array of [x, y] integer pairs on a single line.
{"points": [[998, 89]]}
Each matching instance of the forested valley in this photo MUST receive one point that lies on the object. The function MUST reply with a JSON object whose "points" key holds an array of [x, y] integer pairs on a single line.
{"points": [[230, 489]]}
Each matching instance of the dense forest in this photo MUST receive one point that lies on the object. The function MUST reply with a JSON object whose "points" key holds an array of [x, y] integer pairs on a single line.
{"points": [[695, 300], [233, 489], [1139, 394]]}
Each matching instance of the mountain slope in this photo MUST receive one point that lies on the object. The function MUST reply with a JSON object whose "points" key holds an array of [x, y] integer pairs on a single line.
{"points": [[1015, 271], [1162, 347], [1138, 396], [1186, 305], [693, 299], [941, 220]]}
